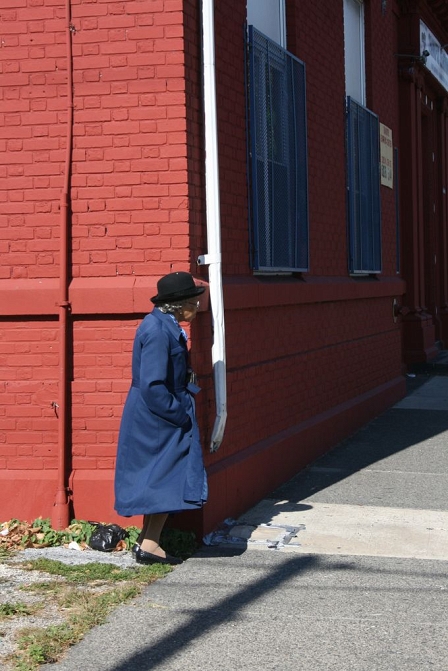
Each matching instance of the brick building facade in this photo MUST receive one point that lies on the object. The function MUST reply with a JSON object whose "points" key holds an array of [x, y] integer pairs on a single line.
{"points": [[102, 171]]}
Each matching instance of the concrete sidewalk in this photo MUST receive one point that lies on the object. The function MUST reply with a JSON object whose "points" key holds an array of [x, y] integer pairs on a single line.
{"points": [[344, 568]]}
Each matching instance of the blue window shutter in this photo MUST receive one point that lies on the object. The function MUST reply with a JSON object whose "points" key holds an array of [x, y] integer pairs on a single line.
{"points": [[278, 157], [363, 183]]}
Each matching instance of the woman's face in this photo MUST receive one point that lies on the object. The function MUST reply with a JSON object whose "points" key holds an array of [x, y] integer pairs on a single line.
{"points": [[189, 310]]}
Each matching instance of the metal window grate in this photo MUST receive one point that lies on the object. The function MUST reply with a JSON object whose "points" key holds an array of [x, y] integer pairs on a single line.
{"points": [[397, 211], [363, 184], [278, 156]]}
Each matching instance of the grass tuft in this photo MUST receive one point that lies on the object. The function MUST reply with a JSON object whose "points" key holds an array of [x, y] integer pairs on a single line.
{"points": [[37, 645], [17, 609], [84, 594], [97, 571]]}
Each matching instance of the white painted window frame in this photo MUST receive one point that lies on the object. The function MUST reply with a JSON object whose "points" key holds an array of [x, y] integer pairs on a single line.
{"points": [[358, 91], [253, 8]]}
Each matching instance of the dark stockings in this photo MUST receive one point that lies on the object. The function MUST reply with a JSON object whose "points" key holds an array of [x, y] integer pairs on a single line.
{"points": [[150, 534]]}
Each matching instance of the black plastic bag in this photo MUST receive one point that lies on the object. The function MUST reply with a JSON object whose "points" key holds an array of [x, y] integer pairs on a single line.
{"points": [[106, 537]]}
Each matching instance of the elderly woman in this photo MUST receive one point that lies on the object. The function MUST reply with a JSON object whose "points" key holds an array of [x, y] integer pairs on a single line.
{"points": [[159, 466]]}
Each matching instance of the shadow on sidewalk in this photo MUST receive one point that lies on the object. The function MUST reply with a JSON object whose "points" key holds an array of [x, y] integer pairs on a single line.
{"points": [[232, 610], [382, 442], [209, 618], [389, 434]]}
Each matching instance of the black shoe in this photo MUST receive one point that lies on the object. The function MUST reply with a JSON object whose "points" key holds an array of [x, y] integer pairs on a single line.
{"points": [[142, 557], [134, 549]]}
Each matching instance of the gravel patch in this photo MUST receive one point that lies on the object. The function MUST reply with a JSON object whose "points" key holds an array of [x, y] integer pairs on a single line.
{"points": [[122, 559], [13, 578]]}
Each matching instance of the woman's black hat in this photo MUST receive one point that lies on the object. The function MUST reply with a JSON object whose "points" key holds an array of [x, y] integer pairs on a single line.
{"points": [[176, 287]]}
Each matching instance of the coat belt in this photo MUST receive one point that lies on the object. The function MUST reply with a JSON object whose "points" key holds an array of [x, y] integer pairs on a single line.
{"points": [[137, 385]]}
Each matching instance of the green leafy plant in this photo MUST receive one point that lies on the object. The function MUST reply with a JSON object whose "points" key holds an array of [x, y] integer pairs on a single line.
{"points": [[11, 609], [133, 534], [40, 534], [38, 646], [178, 543], [4, 554]]}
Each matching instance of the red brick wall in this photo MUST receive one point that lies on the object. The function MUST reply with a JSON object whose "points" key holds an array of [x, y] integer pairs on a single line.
{"points": [[32, 129], [29, 363], [231, 103], [101, 371], [298, 350], [129, 170], [129, 204], [322, 50]]}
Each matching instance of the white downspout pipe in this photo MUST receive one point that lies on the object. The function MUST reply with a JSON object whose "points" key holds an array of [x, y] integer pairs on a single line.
{"points": [[213, 256]]}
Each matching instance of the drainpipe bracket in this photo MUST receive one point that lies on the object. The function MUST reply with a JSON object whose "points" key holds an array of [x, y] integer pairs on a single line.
{"points": [[64, 304], [207, 259]]}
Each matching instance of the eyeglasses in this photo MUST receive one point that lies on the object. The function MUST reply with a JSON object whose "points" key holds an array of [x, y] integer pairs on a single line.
{"points": [[196, 304]]}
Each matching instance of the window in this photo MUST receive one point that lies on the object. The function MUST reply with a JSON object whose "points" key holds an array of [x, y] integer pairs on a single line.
{"points": [[363, 152], [354, 50], [363, 176], [268, 16], [277, 157]]}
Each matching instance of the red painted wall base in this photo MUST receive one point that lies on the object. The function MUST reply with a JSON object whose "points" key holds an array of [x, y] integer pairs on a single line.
{"points": [[235, 483], [419, 340], [27, 494], [256, 471]]}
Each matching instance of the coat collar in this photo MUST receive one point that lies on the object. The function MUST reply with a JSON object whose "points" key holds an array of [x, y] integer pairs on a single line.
{"points": [[170, 324]]}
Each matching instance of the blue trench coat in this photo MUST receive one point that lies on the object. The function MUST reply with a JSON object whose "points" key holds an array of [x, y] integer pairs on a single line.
{"points": [[159, 466]]}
